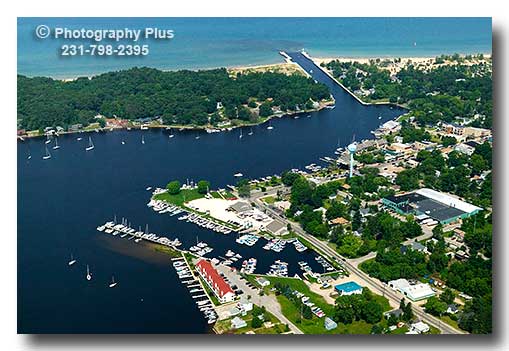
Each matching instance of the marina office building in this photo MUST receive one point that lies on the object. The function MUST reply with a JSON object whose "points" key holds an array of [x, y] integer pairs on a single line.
{"points": [[430, 204]]}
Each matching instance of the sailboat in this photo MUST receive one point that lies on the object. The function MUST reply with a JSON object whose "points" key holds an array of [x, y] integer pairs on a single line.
{"points": [[270, 127], [240, 136], [90, 144], [89, 275], [113, 282], [71, 261], [250, 132], [29, 154], [56, 147], [48, 155], [142, 140]]}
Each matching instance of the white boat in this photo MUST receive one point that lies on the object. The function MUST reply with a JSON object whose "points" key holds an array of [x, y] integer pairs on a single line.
{"points": [[148, 188], [47, 156], [113, 282], [71, 261], [90, 144], [250, 132], [123, 142], [240, 136], [238, 175], [380, 117], [56, 147], [48, 140], [270, 127], [197, 137], [142, 140], [79, 138], [89, 275]]}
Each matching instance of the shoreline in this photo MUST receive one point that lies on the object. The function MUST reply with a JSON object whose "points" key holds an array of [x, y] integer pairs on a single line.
{"points": [[180, 128], [344, 58]]}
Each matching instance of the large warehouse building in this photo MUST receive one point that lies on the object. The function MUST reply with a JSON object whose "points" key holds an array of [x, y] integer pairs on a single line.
{"points": [[441, 207]]}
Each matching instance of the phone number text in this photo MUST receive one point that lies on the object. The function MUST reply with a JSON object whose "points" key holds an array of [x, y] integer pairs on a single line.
{"points": [[104, 50]]}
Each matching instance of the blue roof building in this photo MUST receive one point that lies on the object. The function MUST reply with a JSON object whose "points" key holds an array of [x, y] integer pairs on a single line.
{"points": [[348, 288]]}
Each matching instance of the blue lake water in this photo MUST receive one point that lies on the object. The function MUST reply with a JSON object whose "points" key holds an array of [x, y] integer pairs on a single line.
{"points": [[219, 42], [62, 200]]}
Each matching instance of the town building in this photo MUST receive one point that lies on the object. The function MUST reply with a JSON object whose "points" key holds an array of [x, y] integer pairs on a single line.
{"points": [[339, 221], [276, 228], [216, 283], [441, 207], [414, 292], [348, 288], [420, 327]]}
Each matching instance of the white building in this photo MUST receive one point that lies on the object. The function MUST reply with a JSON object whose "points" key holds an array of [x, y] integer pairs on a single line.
{"points": [[414, 292], [420, 327]]}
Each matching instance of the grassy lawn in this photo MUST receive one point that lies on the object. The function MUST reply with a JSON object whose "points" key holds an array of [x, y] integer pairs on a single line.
{"points": [[167, 250], [179, 199], [269, 199], [224, 326], [316, 325], [299, 285], [213, 297], [228, 194], [451, 322], [188, 195], [216, 195]]}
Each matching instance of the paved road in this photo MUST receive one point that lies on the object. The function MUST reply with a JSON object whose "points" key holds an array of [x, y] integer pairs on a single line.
{"points": [[269, 301], [373, 284]]}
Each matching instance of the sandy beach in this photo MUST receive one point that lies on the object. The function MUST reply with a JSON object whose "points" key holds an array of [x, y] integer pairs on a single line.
{"points": [[394, 67]]}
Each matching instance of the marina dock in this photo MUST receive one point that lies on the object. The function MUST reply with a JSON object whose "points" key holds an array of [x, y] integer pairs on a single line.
{"points": [[196, 288], [124, 230]]}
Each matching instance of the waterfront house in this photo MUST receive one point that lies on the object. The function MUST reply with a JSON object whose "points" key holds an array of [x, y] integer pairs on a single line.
{"points": [[216, 283]]}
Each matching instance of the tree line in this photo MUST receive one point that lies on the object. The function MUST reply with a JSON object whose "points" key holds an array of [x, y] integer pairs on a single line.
{"points": [[178, 97]]}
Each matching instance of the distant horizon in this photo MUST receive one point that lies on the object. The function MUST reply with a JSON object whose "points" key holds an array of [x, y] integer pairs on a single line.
{"points": [[210, 43]]}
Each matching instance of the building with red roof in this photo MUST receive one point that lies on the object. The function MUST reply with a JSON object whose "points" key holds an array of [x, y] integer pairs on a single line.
{"points": [[216, 283]]}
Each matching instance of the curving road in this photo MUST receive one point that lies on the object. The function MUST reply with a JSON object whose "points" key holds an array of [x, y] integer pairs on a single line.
{"points": [[373, 284]]}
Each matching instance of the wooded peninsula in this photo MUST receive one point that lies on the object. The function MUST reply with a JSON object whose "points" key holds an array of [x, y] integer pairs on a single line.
{"points": [[184, 98]]}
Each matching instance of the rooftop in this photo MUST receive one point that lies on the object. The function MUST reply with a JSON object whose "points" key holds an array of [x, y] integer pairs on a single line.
{"points": [[214, 278], [348, 287]]}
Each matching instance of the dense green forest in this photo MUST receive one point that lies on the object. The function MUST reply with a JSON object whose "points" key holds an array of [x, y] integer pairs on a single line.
{"points": [[181, 98], [441, 93]]}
